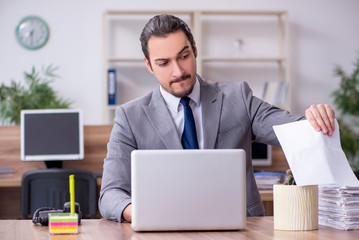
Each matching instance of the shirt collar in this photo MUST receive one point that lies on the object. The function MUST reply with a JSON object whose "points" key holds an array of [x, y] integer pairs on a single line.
{"points": [[173, 102]]}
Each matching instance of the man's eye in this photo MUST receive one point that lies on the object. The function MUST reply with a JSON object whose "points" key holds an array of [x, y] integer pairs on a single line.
{"points": [[162, 64], [184, 56]]}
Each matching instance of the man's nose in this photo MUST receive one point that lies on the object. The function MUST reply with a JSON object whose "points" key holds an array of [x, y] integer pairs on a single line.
{"points": [[177, 70]]}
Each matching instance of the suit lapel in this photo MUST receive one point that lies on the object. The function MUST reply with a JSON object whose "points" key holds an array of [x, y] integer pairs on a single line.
{"points": [[161, 121], [158, 115], [211, 101]]}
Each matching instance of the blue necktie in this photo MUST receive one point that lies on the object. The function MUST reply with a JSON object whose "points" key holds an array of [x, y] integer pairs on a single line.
{"points": [[189, 136]]}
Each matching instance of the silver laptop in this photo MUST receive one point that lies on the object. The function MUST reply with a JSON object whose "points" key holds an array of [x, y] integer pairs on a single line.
{"points": [[174, 190]]}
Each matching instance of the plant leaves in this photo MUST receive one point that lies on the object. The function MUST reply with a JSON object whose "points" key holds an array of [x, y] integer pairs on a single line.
{"points": [[346, 99], [35, 93]]}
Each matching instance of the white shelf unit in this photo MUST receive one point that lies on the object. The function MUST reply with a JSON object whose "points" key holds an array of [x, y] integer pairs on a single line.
{"points": [[262, 57], [122, 52]]}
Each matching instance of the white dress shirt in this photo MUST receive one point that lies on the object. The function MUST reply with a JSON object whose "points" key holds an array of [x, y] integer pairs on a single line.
{"points": [[176, 109]]}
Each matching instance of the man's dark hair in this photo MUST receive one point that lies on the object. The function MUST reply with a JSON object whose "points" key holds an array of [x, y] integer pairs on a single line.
{"points": [[161, 26]]}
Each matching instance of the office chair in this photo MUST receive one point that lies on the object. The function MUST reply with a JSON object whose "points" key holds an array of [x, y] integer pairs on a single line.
{"points": [[50, 188]]}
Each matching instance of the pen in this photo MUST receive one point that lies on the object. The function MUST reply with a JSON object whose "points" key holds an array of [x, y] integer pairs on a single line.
{"points": [[72, 194]]}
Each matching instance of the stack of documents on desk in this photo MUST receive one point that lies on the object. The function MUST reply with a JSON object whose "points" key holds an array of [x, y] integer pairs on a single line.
{"points": [[265, 180], [339, 207]]}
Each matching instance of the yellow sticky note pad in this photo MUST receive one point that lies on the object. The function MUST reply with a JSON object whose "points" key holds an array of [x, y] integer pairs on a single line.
{"points": [[63, 223]]}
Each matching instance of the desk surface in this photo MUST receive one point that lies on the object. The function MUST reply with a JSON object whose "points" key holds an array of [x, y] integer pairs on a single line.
{"points": [[260, 228]]}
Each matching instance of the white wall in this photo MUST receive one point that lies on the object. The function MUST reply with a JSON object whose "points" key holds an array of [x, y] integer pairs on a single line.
{"points": [[322, 33]]}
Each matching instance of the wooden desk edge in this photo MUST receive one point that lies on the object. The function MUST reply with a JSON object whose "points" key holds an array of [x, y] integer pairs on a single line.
{"points": [[267, 195], [256, 228]]}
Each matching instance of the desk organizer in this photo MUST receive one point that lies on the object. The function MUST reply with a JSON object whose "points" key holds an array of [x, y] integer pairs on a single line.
{"points": [[63, 223], [295, 207]]}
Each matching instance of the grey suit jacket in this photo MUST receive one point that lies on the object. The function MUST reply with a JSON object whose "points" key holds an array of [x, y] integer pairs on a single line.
{"points": [[231, 116]]}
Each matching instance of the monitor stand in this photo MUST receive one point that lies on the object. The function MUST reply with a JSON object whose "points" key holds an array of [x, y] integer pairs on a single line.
{"points": [[53, 164]]}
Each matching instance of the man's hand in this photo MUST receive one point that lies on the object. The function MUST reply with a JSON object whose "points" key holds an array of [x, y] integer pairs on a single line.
{"points": [[321, 117], [127, 213]]}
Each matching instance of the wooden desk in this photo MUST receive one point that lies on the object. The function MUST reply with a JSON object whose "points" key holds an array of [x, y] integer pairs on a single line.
{"points": [[95, 143], [10, 198], [260, 228]]}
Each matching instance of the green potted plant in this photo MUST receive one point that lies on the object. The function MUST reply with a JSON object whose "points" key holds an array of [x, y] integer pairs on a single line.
{"points": [[34, 93], [346, 101]]}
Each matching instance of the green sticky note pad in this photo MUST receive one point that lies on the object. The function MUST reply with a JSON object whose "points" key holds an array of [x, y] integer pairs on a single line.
{"points": [[63, 223]]}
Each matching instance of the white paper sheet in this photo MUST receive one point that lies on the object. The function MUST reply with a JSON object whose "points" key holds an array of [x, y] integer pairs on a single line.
{"points": [[313, 157]]}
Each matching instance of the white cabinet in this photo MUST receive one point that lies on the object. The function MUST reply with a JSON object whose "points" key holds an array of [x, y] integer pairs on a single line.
{"points": [[232, 46]]}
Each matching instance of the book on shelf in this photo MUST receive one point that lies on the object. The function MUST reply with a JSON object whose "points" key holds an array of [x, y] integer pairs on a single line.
{"points": [[265, 180], [275, 93], [112, 87], [6, 172]]}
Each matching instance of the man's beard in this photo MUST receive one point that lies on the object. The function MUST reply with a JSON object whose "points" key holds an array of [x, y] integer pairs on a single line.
{"points": [[185, 93]]}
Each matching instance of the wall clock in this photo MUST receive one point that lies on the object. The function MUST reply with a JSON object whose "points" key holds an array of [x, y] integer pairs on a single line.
{"points": [[32, 32]]}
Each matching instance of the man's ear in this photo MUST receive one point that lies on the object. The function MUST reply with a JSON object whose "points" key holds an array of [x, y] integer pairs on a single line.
{"points": [[148, 65], [195, 49]]}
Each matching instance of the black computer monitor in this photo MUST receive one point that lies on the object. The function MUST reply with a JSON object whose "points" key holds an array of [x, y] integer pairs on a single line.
{"points": [[261, 154], [52, 135]]}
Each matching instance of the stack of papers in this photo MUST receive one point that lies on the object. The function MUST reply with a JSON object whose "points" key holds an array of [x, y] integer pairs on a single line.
{"points": [[339, 207], [265, 180]]}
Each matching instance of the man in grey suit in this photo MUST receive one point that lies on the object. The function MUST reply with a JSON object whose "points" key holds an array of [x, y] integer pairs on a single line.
{"points": [[226, 116]]}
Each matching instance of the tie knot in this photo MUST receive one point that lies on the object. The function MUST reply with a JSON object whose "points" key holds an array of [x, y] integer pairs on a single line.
{"points": [[185, 101]]}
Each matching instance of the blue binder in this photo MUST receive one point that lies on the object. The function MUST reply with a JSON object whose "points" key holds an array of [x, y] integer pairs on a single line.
{"points": [[112, 87]]}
